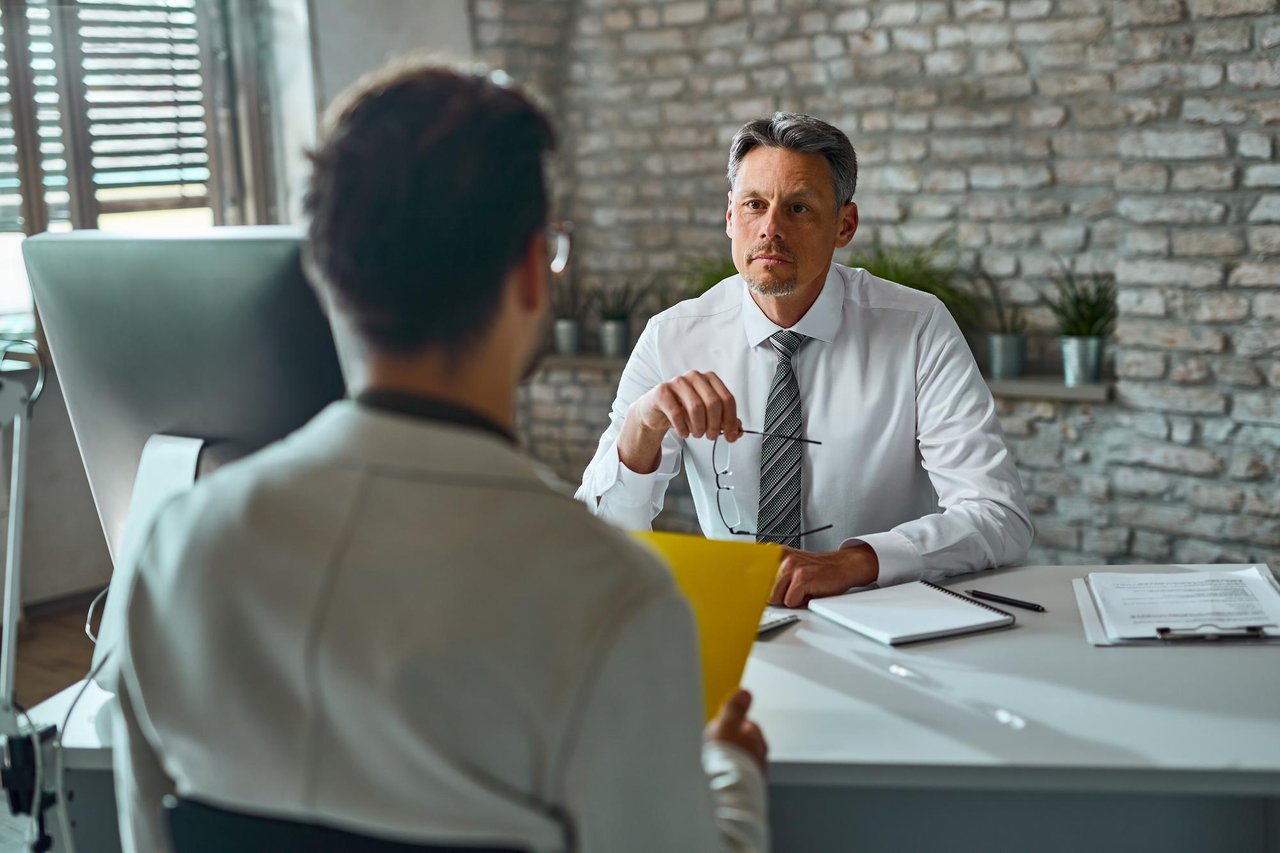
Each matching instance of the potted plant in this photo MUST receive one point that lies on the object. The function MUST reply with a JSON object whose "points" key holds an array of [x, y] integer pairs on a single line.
{"points": [[702, 274], [1007, 342], [570, 304], [922, 268], [617, 304], [1085, 307]]}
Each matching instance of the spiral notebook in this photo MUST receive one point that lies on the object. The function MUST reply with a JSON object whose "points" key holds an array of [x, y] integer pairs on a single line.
{"points": [[910, 612]]}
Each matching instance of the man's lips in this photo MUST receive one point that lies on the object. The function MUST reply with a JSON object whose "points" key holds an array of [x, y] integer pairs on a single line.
{"points": [[772, 259]]}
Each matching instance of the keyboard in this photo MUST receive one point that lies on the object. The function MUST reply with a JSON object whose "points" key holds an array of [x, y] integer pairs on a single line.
{"points": [[775, 619]]}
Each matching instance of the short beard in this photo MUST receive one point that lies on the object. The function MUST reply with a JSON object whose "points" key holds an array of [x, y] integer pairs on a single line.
{"points": [[785, 287]]}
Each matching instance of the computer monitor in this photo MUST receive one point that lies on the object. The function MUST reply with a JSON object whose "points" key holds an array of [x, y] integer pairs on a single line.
{"points": [[216, 335]]}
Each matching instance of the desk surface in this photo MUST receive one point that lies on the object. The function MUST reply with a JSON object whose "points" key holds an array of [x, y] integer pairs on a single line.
{"points": [[1033, 707]]}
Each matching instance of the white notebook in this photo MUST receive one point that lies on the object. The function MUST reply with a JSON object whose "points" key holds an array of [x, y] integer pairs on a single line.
{"points": [[910, 612]]}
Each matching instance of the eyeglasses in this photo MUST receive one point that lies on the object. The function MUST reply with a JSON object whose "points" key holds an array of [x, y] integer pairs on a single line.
{"points": [[727, 504], [559, 245]]}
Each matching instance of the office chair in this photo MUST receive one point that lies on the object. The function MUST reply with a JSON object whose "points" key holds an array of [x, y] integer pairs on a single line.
{"points": [[199, 828]]}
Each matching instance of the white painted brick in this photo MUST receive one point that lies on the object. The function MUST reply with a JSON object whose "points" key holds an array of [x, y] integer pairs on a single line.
{"points": [[1254, 145], [1259, 74], [1199, 243], [1223, 38], [1262, 176], [1148, 177], [1136, 364], [851, 21], [1219, 308], [1028, 10], [1149, 12], [1256, 274], [1174, 210], [1142, 333], [1264, 240], [1215, 110], [1173, 144], [1146, 241], [1230, 8], [678, 14], [1199, 75], [1141, 302], [1257, 408], [1210, 176], [1266, 210], [1169, 273]]}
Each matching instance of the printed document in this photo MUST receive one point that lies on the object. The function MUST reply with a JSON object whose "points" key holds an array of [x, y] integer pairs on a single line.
{"points": [[1134, 606]]}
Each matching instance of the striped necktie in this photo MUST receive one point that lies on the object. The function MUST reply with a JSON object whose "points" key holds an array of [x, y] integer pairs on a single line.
{"points": [[780, 475]]}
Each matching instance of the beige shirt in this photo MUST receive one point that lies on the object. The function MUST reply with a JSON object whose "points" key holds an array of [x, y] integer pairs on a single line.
{"points": [[400, 628]]}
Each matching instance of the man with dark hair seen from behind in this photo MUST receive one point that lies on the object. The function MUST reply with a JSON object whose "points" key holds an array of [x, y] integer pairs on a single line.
{"points": [[871, 449], [391, 622]]}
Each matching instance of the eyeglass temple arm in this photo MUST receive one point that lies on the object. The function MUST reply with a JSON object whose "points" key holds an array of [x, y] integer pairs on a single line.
{"points": [[783, 435]]}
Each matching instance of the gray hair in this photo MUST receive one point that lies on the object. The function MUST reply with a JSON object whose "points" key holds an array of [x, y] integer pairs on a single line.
{"points": [[803, 134]]}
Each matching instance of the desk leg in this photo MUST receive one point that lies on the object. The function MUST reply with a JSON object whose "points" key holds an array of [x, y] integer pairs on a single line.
{"points": [[91, 800]]}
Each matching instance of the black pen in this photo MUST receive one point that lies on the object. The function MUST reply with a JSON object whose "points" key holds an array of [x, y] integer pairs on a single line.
{"points": [[1012, 602]]}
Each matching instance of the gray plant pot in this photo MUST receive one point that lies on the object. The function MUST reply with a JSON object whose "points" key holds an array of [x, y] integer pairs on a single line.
{"points": [[615, 338], [568, 335], [1006, 355], [1081, 360]]}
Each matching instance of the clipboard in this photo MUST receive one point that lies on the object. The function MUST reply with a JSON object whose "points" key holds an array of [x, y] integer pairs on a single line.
{"points": [[1096, 635]]}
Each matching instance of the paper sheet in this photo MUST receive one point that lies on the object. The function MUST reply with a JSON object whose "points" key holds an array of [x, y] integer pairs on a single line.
{"points": [[1134, 606], [727, 585]]}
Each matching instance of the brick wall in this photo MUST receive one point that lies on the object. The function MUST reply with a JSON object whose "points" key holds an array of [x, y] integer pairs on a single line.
{"points": [[1133, 137]]}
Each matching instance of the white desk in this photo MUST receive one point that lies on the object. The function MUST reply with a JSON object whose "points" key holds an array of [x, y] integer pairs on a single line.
{"points": [[1023, 739], [1020, 740]]}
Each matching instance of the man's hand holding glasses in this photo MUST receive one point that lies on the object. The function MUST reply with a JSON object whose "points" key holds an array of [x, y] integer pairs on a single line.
{"points": [[696, 405]]}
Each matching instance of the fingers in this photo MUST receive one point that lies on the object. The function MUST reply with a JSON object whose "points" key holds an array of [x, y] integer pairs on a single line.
{"points": [[781, 583], [791, 587], [730, 425], [698, 405], [736, 707]]}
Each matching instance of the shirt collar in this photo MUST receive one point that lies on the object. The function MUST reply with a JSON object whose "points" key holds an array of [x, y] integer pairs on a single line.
{"points": [[821, 321], [430, 408]]}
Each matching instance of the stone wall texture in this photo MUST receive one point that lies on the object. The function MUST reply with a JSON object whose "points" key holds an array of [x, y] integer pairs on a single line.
{"points": [[1135, 137]]}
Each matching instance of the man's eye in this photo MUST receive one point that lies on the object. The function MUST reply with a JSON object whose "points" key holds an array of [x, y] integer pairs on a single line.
{"points": [[754, 204], [799, 208]]}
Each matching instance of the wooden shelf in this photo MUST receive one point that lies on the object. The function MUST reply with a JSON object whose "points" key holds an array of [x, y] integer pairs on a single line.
{"points": [[1049, 387]]}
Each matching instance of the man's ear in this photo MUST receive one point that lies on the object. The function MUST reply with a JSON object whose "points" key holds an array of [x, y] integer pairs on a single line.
{"points": [[531, 274], [848, 222], [728, 215]]}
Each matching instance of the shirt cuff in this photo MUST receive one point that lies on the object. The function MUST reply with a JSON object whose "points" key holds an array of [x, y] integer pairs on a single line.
{"points": [[626, 487], [740, 795], [899, 561]]}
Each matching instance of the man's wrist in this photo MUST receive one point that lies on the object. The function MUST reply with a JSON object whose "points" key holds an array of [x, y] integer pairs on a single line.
{"points": [[639, 448]]}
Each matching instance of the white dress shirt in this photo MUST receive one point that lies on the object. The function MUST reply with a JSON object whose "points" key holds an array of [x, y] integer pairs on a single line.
{"points": [[912, 462], [399, 627]]}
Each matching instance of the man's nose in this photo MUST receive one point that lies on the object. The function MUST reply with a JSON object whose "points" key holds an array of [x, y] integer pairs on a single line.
{"points": [[771, 226]]}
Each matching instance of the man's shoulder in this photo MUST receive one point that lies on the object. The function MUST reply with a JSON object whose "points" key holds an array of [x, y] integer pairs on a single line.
{"points": [[720, 301], [871, 291]]}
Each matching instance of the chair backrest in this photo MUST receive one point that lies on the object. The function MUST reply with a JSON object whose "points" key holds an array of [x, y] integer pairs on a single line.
{"points": [[197, 827]]}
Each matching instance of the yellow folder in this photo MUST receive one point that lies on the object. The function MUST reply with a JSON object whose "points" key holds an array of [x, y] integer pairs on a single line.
{"points": [[727, 585]]}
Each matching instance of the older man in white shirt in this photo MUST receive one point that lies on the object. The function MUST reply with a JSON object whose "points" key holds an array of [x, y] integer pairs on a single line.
{"points": [[881, 460]]}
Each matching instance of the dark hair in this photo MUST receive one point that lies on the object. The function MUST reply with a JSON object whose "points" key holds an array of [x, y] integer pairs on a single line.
{"points": [[806, 135], [427, 188]]}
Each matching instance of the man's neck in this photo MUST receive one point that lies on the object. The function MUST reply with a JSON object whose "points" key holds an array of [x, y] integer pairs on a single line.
{"points": [[475, 385]]}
